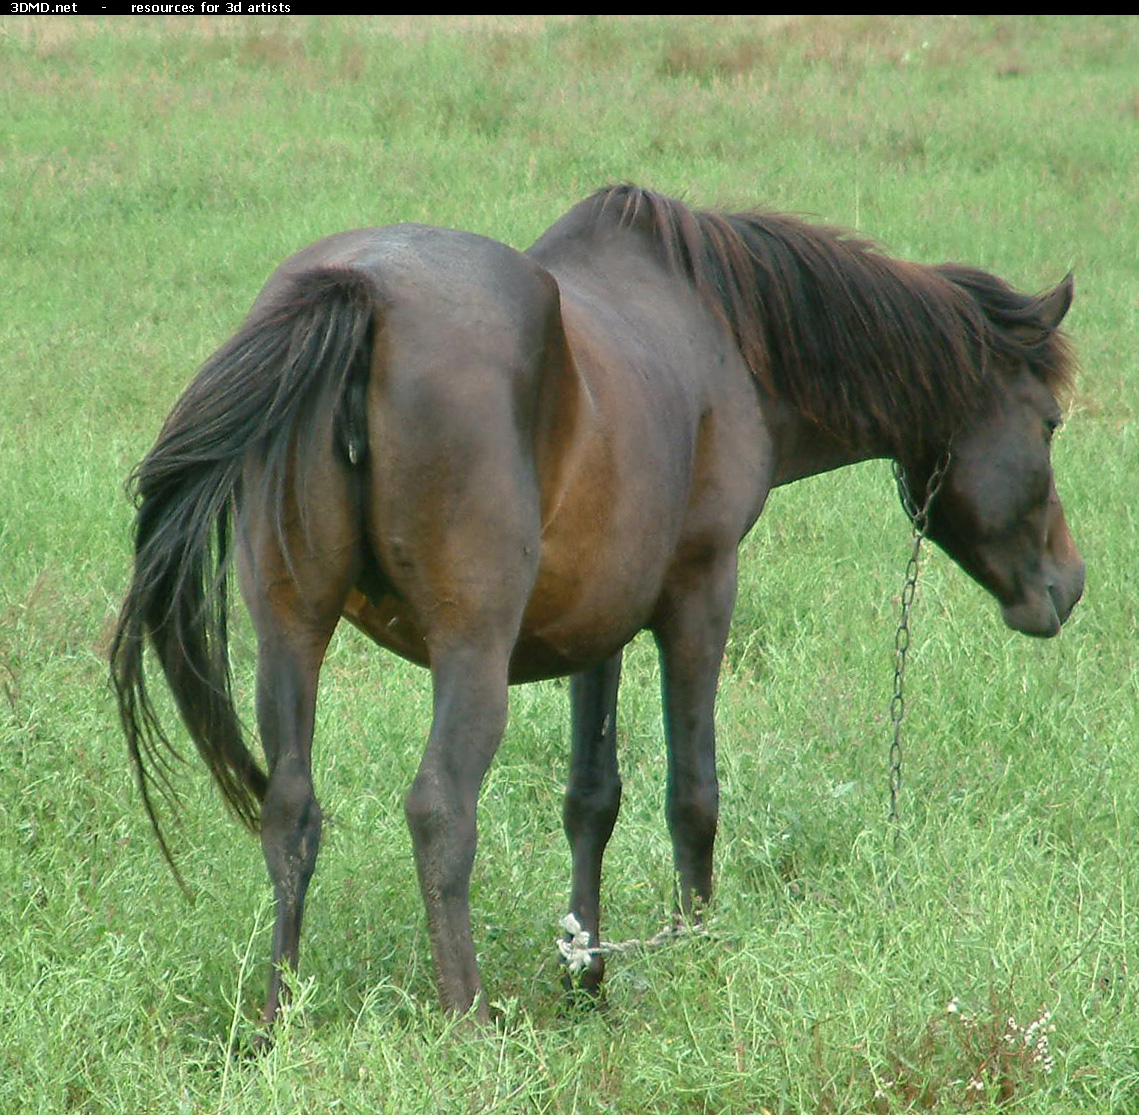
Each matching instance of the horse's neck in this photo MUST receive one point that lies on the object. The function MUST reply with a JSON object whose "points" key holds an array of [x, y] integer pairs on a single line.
{"points": [[804, 449]]}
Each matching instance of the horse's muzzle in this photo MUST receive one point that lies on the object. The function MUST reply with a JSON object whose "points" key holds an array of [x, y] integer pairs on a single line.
{"points": [[1042, 613]]}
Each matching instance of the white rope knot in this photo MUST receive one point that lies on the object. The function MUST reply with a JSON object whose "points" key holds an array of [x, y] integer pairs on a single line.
{"points": [[577, 950]]}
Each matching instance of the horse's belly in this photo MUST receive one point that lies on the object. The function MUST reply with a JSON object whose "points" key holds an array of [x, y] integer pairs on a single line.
{"points": [[566, 644], [582, 613]]}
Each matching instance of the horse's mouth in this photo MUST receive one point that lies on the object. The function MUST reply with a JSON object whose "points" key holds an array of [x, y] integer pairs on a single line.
{"points": [[1038, 619], [1042, 614]]}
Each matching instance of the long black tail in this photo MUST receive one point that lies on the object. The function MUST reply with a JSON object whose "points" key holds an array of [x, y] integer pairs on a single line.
{"points": [[297, 364]]}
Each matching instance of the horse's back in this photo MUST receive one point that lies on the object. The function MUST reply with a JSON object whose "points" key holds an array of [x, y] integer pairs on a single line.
{"points": [[453, 276]]}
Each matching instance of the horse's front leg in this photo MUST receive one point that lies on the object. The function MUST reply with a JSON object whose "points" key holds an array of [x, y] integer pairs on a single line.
{"points": [[593, 798], [691, 629]]}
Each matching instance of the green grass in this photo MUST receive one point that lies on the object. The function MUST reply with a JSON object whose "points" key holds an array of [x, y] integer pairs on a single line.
{"points": [[153, 173]]}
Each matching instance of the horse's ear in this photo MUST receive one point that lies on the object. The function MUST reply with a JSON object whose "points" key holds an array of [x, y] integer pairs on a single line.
{"points": [[1056, 303]]}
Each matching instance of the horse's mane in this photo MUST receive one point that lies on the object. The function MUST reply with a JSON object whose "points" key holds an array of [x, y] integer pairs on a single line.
{"points": [[861, 343]]}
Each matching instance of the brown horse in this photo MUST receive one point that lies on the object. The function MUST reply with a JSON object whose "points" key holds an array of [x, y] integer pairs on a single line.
{"points": [[503, 465]]}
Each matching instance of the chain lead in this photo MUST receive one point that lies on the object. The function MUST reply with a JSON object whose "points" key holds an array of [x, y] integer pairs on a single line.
{"points": [[919, 516]]}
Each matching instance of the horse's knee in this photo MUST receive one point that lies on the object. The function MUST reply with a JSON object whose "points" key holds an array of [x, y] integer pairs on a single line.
{"points": [[591, 810]]}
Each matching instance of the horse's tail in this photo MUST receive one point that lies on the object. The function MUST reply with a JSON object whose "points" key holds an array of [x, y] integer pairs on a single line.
{"points": [[298, 364]]}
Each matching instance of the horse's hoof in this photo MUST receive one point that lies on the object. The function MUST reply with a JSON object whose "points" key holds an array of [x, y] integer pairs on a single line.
{"points": [[584, 994], [252, 1047]]}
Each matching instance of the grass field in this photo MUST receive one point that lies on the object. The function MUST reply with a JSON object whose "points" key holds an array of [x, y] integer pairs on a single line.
{"points": [[152, 174]]}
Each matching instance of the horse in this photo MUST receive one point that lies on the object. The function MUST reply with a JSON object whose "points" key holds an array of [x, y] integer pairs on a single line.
{"points": [[503, 465]]}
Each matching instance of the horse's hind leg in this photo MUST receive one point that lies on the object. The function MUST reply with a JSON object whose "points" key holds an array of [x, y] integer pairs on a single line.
{"points": [[467, 568], [691, 631], [295, 604], [593, 798], [480, 584], [290, 814], [470, 704]]}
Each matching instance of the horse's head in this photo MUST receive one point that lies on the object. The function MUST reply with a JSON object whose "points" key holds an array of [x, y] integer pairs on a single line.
{"points": [[997, 514]]}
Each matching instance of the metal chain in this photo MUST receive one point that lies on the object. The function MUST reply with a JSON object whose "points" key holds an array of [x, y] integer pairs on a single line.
{"points": [[919, 516]]}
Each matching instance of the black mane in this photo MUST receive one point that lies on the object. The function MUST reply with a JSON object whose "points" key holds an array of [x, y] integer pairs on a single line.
{"points": [[862, 343]]}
